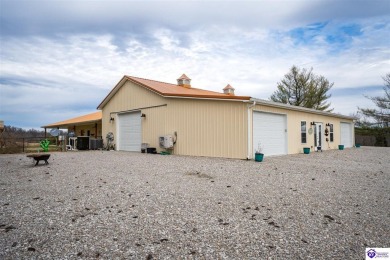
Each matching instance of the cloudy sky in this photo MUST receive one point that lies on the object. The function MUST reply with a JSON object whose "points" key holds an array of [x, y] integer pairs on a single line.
{"points": [[59, 59]]}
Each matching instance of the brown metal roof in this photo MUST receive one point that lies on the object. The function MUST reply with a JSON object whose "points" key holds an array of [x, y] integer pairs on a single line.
{"points": [[170, 90], [90, 118]]}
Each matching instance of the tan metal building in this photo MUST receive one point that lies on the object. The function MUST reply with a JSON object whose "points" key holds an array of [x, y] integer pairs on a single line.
{"points": [[207, 123]]}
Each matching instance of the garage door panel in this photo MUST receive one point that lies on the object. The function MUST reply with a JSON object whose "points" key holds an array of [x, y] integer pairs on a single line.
{"points": [[346, 134], [129, 131], [270, 130]]}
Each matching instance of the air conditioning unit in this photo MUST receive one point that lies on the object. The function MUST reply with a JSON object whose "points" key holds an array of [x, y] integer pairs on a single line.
{"points": [[82, 142], [166, 141]]}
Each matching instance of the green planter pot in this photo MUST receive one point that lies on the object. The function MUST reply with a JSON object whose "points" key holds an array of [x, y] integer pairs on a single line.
{"points": [[357, 145], [306, 150], [259, 157], [341, 147]]}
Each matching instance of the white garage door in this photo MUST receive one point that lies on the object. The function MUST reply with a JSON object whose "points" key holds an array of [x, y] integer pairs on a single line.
{"points": [[129, 132], [270, 130], [346, 134]]}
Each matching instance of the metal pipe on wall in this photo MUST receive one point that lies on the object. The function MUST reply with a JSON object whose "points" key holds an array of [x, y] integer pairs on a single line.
{"points": [[249, 156]]}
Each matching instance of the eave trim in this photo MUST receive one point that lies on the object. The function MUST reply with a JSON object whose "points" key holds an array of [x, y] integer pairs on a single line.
{"points": [[298, 108]]}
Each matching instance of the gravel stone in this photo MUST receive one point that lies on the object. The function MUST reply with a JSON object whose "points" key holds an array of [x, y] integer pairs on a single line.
{"points": [[124, 205]]}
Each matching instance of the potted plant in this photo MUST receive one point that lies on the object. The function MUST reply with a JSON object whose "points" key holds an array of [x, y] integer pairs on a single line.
{"points": [[306, 150], [259, 156]]}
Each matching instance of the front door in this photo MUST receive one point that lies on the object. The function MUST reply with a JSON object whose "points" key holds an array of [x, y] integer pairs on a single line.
{"points": [[318, 132]]}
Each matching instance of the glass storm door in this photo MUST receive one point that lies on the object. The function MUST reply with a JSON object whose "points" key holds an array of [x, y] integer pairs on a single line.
{"points": [[317, 136]]}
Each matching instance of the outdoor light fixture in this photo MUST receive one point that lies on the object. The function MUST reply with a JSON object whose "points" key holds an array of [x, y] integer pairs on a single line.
{"points": [[143, 115], [328, 124], [111, 119], [312, 123]]}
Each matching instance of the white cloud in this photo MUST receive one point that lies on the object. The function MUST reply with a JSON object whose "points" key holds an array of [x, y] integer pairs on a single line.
{"points": [[249, 45]]}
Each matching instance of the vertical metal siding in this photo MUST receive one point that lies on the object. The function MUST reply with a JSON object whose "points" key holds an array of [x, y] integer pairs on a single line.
{"points": [[131, 96], [208, 127], [154, 125]]}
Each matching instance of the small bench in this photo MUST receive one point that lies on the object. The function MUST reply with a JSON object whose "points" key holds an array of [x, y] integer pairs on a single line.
{"points": [[40, 157]]}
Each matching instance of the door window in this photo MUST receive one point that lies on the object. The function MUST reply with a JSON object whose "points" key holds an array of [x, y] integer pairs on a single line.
{"points": [[318, 136]]}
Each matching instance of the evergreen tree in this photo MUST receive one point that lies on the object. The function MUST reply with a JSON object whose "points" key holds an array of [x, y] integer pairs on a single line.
{"points": [[301, 87]]}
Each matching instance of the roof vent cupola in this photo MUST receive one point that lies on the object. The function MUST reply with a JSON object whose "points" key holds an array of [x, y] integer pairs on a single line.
{"points": [[228, 90], [184, 81]]}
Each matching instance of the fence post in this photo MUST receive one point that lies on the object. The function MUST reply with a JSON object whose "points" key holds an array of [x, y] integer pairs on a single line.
{"points": [[23, 144]]}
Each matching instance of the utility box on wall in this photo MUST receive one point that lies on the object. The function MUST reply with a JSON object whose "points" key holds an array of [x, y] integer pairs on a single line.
{"points": [[166, 141]]}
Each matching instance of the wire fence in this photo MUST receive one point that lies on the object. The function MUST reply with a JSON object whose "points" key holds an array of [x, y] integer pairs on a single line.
{"points": [[10, 145]]}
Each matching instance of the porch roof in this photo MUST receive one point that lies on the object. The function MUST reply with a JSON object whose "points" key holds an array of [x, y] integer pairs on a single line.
{"points": [[95, 117]]}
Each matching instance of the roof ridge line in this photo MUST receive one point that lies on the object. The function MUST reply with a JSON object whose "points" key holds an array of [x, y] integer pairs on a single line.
{"points": [[171, 84], [151, 80]]}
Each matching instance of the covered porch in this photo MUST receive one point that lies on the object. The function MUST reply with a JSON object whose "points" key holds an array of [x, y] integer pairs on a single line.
{"points": [[83, 132]]}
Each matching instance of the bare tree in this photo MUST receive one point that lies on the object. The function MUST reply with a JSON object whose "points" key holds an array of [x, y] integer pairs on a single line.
{"points": [[381, 114]]}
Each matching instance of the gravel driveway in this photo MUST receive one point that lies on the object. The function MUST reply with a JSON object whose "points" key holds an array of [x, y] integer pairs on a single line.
{"points": [[123, 205]]}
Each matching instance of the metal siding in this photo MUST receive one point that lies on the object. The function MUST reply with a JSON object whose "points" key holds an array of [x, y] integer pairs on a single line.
{"points": [[204, 127], [129, 96], [154, 125], [208, 127]]}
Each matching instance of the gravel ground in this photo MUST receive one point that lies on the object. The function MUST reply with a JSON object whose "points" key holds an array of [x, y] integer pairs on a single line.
{"points": [[122, 205]]}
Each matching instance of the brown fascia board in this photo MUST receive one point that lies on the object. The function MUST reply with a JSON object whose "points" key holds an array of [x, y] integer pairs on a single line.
{"points": [[119, 85], [145, 86], [207, 96], [70, 124]]}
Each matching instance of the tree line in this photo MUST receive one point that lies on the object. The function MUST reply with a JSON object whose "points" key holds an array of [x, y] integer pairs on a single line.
{"points": [[17, 132]]}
